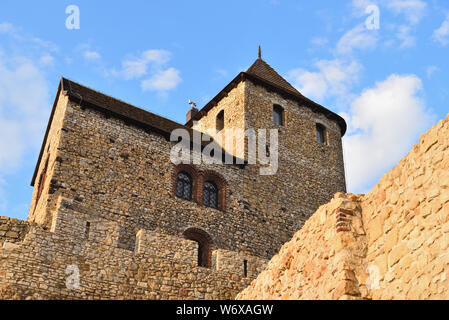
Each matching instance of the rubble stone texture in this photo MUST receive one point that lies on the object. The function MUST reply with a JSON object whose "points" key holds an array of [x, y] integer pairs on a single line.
{"points": [[391, 243]]}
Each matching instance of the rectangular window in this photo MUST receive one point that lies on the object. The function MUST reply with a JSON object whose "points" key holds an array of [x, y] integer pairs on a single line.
{"points": [[278, 115], [320, 134]]}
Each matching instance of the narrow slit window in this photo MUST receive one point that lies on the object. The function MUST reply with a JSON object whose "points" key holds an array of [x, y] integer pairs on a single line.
{"points": [[87, 231], [320, 134], [220, 120], [245, 268], [278, 115]]}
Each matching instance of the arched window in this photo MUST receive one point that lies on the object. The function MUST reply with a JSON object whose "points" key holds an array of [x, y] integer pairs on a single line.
{"points": [[210, 195], [321, 133], [184, 186], [220, 120], [205, 245], [278, 115]]}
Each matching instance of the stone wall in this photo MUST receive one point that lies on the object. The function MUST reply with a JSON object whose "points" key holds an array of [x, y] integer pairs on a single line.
{"points": [[12, 230], [391, 243], [43, 265], [123, 173]]}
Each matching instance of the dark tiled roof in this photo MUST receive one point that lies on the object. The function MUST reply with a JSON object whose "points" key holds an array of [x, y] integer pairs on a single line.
{"points": [[119, 108], [89, 98], [264, 71]]}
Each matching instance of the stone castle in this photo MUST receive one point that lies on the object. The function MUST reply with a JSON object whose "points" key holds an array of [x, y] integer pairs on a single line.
{"points": [[111, 217]]}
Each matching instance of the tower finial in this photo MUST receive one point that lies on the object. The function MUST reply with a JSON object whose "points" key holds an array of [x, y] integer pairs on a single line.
{"points": [[260, 53]]}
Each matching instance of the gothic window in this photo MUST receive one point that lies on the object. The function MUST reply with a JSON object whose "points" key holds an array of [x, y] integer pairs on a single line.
{"points": [[220, 120], [320, 133], [278, 115], [210, 195], [184, 186]]}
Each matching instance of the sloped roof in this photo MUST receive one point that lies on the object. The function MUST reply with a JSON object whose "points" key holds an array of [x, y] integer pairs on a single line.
{"points": [[113, 107], [95, 98], [263, 70], [262, 73]]}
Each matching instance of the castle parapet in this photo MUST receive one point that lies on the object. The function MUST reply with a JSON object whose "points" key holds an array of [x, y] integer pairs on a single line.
{"points": [[237, 262], [170, 248], [71, 220]]}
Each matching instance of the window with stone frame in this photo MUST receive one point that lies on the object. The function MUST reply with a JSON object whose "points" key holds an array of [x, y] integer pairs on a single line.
{"points": [[278, 115], [210, 195], [220, 121], [184, 186], [321, 134]]}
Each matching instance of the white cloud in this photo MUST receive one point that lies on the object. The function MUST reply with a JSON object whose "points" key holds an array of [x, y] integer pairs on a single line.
{"points": [[357, 38], [430, 70], [413, 10], [162, 81], [91, 55], [441, 35], [6, 27], [47, 60], [152, 64], [138, 67], [320, 41], [404, 36], [334, 77], [386, 120], [24, 108]]}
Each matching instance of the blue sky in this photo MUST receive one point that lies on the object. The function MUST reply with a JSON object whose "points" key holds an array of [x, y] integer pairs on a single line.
{"points": [[389, 82]]}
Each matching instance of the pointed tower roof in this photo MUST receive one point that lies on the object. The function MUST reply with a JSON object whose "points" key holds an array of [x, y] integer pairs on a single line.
{"points": [[264, 71], [261, 73]]}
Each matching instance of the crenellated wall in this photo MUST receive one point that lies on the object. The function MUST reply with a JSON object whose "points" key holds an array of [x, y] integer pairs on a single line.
{"points": [[42, 264]]}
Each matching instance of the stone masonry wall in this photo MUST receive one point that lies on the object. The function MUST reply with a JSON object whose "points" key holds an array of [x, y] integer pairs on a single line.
{"points": [[43, 265], [123, 173], [12, 230], [389, 244], [309, 173]]}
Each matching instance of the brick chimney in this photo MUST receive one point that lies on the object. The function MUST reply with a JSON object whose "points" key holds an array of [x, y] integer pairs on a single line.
{"points": [[191, 113]]}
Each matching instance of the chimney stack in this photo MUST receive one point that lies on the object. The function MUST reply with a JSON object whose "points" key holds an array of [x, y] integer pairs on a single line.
{"points": [[192, 111]]}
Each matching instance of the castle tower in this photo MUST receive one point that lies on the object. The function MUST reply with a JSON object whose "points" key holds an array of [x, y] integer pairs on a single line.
{"points": [[311, 168]]}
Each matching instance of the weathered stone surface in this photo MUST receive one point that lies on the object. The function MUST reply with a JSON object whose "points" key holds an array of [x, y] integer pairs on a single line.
{"points": [[404, 253]]}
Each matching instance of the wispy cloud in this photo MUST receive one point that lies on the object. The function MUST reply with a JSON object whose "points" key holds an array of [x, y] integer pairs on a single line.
{"points": [[91, 55], [430, 70], [357, 38], [151, 68], [162, 81], [413, 10], [441, 35], [133, 68], [331, 78]]}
